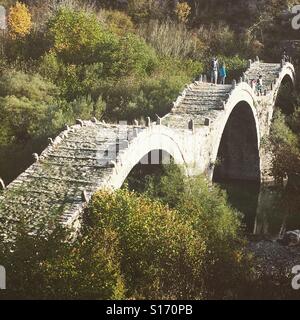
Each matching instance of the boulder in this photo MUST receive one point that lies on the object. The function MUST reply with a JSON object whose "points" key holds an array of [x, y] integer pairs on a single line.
{"points": [[290, 238]]}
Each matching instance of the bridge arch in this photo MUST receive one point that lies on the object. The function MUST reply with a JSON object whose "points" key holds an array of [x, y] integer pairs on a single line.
{"points": [[288, 71], [153, 139], [236, 144], [283, 95]]}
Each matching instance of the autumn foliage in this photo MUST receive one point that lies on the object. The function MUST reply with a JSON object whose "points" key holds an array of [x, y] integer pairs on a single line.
{"points": [[183, 11], [19, 20]]}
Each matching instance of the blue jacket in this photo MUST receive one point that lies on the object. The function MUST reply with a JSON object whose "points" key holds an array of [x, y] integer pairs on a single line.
{"points": [[223, 72]]}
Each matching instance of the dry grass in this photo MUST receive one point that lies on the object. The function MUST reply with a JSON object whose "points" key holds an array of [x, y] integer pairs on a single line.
{"points": [[171, 39]]}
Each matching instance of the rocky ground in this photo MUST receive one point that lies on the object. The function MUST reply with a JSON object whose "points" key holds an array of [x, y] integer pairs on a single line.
{"points": [[274, 258], [273, 269]]}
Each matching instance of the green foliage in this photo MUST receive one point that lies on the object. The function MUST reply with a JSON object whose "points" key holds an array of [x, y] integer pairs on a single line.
{"points": [[206, 209], [284, 146], [156, 244], [136, 56], [118, 22], [78, 38], [165, 183], [26, 104], [33, 87], [40, 268], [294, 120], [141, 10], [75, 35], [92, 57], [287, 98], [32, 107], [135, 247], [133, 98], [219, 225]]}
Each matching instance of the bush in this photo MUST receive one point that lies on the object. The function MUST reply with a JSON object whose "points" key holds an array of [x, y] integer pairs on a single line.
{"points": [[33, 87], [136, 57], [219, 225], [27, 103], [130, 98], [75, 35], [284, 146], [165, 183], [205, 208], [183, 11], [155, 245], [135, 247], [40, 268], [19, 20], [141, 10], [117, 21]]}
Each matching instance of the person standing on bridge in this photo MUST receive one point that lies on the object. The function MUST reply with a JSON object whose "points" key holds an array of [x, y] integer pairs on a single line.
{"points": [[223, 74], [259, 85], [285, 57], [214, 70]]}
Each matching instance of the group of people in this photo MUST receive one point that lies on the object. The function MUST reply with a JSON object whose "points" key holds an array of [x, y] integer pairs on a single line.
{"points": [[220, 72], [258, 85], [217, 71]]}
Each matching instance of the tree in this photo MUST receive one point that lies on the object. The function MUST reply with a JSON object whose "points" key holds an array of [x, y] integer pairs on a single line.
{"points": [[183, 11], [283, 144], [27, 103], [19, 20], [118, 22], [205, 208], [75, 35], [52, 268], [155, 245]]}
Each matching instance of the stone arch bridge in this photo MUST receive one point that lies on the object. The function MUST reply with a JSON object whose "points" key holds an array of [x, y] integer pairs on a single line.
{"points": [[207, 123]]}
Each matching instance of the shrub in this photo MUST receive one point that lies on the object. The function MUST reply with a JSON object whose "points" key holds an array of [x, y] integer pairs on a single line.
{"points": [[19, 20], [136, 57], [155, 245], [130, 98], [284, 146], [40, 268], [75, 35], [86, 108], [136, 247], [183, 11], [166, 183], [219, 225], [141, 10], [33, 87], [117, 21], [27, 103], [83, 60], [205, 208], [21, 119], [220, 39]]}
